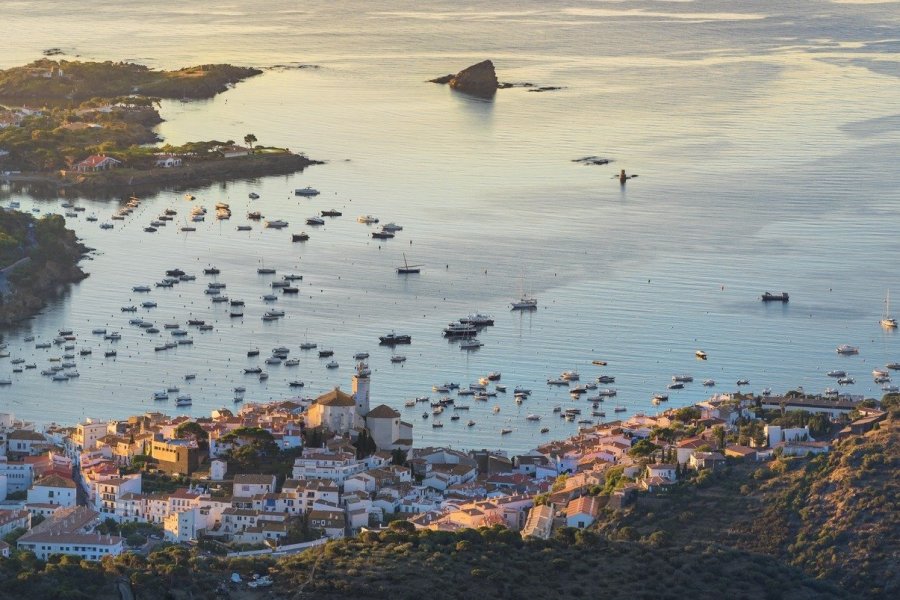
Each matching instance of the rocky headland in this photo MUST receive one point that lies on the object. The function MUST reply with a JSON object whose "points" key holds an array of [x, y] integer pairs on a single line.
{"points": [[38, 259]]}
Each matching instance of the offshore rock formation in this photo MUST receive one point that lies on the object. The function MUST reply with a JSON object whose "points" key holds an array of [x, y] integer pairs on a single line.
{"points": [[478, 80]]}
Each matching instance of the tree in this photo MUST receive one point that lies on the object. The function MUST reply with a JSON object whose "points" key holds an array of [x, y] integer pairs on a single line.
{"points": [[365, 445], [250, 139], [719, 434], [195, 430], [642, 448]]}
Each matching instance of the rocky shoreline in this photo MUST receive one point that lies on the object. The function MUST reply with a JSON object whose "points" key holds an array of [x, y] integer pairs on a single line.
{"points": [[53, 266]]}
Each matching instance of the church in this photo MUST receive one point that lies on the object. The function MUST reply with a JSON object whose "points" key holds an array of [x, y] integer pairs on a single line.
{"points": [[343, 413]]}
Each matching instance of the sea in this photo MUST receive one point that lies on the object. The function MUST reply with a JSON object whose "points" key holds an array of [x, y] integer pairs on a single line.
{"points": [[763, 138]]}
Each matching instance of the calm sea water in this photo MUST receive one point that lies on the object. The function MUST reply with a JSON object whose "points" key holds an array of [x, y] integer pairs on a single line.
{"points": [[764, 135]]}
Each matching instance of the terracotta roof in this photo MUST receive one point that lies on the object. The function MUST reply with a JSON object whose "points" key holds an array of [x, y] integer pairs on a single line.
{"points": [[383, 411], [585, 504], [24, 434], [55, 481], [96, 159], [335, 398]]}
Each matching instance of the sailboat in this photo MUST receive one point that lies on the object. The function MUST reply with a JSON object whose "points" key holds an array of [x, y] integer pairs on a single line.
{"points": [[408, 268], [525, 302], [887, 321]]}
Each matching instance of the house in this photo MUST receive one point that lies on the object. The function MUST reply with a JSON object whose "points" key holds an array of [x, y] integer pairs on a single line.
{"points": [[97, 162], [54, 490], [707, 460], [19, 475], [234, 151], [539, 523], [108, 491], [332, 522], [250, 485], [741, 453], [686, 448], [666, 471], [70, 531], [25, 442], [4, 549], [167, 161], [10, 520], [776, 434], [582, 512]]}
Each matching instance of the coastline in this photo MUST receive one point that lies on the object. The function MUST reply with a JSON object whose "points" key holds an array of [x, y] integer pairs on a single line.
{"points": [[195, 174]]}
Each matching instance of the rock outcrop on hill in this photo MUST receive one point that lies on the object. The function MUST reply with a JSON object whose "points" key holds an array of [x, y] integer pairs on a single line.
{"points": [[478, 80]]}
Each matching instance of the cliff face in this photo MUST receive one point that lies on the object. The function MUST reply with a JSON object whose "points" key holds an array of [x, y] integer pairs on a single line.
{"points": [[478, 80]]}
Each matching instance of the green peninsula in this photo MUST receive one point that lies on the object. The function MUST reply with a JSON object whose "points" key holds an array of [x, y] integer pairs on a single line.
{"points": [[90, 126]]}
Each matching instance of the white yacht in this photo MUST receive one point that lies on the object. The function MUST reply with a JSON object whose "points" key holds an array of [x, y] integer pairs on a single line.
{"points": [[887, 321], [160, 395], [276, 224], [392, 227], [847, 349], [183, 400], [478, 320], [524, 303]]}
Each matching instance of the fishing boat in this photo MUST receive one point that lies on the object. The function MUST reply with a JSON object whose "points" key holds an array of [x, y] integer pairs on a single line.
{"points": [[770, 297], [393, 339], [887, 321], [408, 268]]}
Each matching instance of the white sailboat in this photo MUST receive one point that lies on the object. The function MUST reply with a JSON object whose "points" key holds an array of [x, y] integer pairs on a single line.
{"points": [[525, 302], [887, 321]]}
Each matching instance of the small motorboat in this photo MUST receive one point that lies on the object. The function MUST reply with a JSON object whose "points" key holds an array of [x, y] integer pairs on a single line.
{"points": [[160, 395], [253, 196], [331, 213], [315, 221], [183, 400], [847, 349], [700, 354], [332, 365], [307, 191], [299, 237], [398, 358], [367, 219], [296, 383]]}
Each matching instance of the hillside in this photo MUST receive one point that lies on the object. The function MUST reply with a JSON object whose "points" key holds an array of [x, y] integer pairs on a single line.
{"points": [[63, 81], [834, 516], [489, 563]]}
